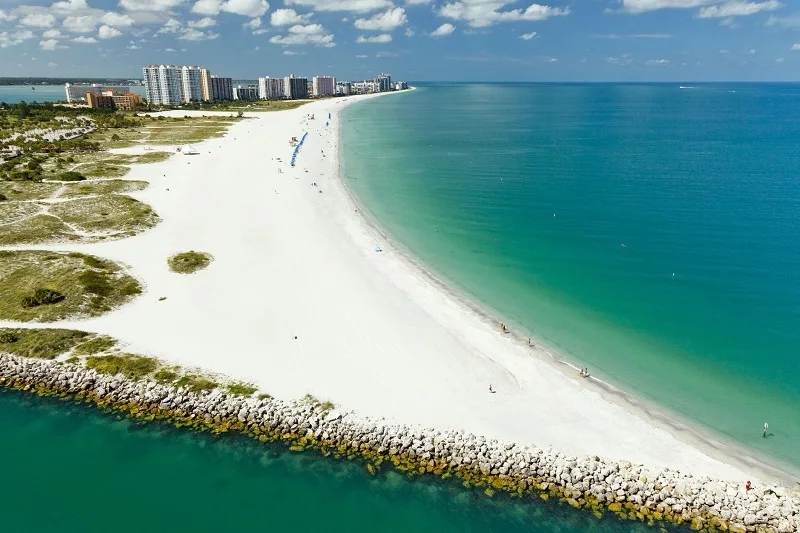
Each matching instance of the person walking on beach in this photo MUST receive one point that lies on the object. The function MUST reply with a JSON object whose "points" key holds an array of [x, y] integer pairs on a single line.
{"points": [[766, 427]]}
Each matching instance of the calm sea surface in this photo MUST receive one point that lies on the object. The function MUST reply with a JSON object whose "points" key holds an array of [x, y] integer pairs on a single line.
{"points": [[13, 94], [71, 468], [649, 232]]}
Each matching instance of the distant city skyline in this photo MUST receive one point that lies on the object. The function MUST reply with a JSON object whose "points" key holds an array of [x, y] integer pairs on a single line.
{"points": [[467, 40]]}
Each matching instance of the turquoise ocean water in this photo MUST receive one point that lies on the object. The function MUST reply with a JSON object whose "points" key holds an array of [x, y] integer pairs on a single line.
{"points": [[649, 232]]}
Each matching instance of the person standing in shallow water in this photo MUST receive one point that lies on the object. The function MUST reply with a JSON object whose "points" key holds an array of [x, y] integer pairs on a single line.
{"points": [[766, 427]]}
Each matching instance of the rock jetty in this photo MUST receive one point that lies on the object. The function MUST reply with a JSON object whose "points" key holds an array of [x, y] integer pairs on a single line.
{"points": [[629, 490]]}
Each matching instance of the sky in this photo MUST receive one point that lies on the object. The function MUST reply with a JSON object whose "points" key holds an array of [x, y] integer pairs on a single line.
{"points": [[414, 40]]}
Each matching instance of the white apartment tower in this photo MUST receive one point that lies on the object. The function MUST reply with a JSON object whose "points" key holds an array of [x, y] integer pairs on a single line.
{"points": [[191, 86], [324, 86], [162, 84], [271, 88]]}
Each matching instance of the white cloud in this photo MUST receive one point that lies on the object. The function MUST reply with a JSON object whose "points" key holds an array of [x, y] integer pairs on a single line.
{"points": [[483, 13], [6, 16], [779, 60], [642, 6], [49, 44], [38, 20], [172, 26], [247, 8], [80, 24], [382, 38], [150, 5], [656, 62], [169, 50], [133, 47], [786, 22], [552, 59], [12, 39], [207, 7], [387, 21], [417, 2], [623, 61], [356, 6], [70, 5], [208, 22], [737, 8], [291, 53], [752, 51], [724, 51], [190, 34], [107, 32], [305, 34], [362, 56], [51, 64], [528, 36], [252, 24], [118, 20], [409, 32], [84, 40], [287, 17], [52, 34], [443, 30], [795, 47]]}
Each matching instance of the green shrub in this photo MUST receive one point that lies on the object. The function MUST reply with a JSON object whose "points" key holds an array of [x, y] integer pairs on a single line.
{"points": [[165, 375], [95, 346], [70, 175], [3, 197], [7, 337], [196, 383], [42, 297]]}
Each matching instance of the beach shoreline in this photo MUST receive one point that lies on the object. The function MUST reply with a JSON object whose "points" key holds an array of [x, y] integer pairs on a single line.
{"points": [[400, 342]]}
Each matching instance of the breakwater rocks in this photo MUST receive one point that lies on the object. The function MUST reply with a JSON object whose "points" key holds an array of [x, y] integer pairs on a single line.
{"points": [[631, 491]]}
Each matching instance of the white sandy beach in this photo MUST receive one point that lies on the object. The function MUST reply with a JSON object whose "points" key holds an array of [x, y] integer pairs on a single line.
{"points": [[374, 333]]}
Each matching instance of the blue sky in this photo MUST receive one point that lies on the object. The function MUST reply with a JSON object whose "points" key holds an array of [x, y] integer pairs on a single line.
{"points": [[467, 40]]}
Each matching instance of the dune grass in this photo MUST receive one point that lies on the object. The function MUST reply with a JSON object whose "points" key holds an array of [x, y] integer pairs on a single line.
{"points": [[40, 343], [97, 344], [37, 229], [90, 286], [196, 383], [27, 190], [96, 188], [11, 212], [109, 214], [129, 365], [189, 262], [240, 388]]}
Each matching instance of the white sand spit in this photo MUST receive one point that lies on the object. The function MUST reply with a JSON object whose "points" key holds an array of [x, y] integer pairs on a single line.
{"points": [[374, 333]]}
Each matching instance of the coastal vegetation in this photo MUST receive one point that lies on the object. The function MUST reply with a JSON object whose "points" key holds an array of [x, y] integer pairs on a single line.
{"points": [[44, 286], [248, 106], [240, 388], [41, 343], [189, 262]]}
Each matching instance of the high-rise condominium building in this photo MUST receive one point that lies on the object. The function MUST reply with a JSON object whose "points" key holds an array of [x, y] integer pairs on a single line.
{"points": [[192, 90], [163, 84], [78, 91], [271, 88], [324, 86], [205, 85], [296, 88], [221, 88]]}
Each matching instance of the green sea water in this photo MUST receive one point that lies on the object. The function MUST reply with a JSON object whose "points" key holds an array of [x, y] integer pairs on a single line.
{"points": [[649, 232], [70, 468]]}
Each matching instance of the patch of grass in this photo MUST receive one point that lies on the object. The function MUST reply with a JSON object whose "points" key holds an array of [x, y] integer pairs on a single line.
{"points": [[70, 175], [264, 396], [99, 344], [37, 229], [153, 157], [40, 343], [27, 190], [196, 383], [241, 389], [96, 188], [86, 290], [129, 365], [11, 212], [166, 375], [189, 262], [326, 406], [112, 215]]}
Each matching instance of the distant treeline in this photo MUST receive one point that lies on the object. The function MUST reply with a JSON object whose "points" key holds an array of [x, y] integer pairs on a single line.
{"points": [[62, 81]]}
